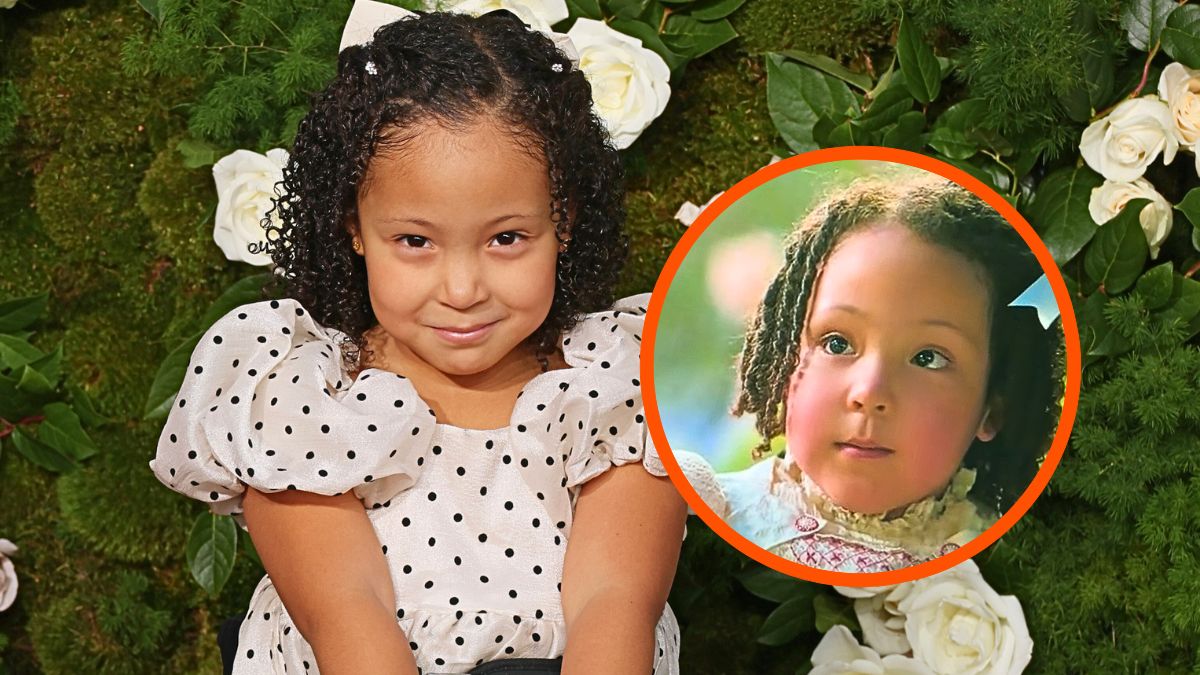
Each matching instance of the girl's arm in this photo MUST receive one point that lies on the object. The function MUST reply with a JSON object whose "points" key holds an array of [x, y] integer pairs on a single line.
{"points": [[620, 562], [325, 561]]}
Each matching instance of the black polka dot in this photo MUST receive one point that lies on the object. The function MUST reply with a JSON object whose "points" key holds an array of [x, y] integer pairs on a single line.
{"points": [[482, 538], [324, 428], [349, 454]]}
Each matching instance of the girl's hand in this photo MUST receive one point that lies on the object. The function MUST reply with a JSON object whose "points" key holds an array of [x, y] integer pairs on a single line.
{"points": [[619, 566], [326, 563]]}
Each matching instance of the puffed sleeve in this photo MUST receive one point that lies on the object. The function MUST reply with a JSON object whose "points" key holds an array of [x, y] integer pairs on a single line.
{"points": [[266, 402], [599, 412]]}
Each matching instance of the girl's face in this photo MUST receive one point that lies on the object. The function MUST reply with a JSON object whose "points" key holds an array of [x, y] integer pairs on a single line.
{"points": [[890, 389], [459, 247]]}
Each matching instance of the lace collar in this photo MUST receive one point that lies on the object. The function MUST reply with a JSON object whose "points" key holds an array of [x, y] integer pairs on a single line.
{"points": [[924, 525]]}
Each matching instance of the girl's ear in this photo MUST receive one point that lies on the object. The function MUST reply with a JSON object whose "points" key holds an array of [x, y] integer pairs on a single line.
{"points": [[993, 420]]}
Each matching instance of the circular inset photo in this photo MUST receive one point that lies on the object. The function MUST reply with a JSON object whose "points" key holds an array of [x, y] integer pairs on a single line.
{"points": [[862, 366]]}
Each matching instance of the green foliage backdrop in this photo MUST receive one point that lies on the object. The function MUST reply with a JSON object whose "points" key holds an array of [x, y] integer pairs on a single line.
{"points": [[101, 208]]}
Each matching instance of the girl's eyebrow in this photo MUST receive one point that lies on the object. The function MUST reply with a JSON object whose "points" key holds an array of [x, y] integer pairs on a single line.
{"points": [[400, 220], [850, 309]]}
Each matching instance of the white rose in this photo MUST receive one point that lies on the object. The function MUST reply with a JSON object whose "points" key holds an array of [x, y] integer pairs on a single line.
{"points": [[245, 187], [878, 612], [1122, 144], [8, 4], [1156, 218], [958, 624], [630, 84], [537, 14], [8, 575], [1179, 86], [839, 653]]}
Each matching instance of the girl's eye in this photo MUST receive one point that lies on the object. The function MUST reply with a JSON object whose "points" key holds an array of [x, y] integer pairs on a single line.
{"points": [[931, 359], [413, 241], [507, 238], [836, 345]]}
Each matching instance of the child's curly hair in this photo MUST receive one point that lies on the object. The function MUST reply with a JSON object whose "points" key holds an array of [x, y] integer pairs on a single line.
{"points": [[1023, 375], [452, 70]]}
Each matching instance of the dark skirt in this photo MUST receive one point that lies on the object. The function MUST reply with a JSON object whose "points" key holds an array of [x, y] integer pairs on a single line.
{"points": [[227, 640]]}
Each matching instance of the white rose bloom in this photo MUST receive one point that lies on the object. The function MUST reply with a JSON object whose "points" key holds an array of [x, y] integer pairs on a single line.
{"points": [[537, 14], [8, 4], [878, 612], [1122, 144], [630, 84], [245, 187], [839, 653], [1179, 86], [8, 575], [957, 624], [1157, 217]]}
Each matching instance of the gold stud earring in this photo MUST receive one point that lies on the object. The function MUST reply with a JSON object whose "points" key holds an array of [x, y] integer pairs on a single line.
{"points": [[357, 246]]}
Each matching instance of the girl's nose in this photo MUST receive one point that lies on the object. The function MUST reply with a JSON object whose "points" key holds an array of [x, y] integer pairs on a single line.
{"points": [[869, 390], [462, 283]]}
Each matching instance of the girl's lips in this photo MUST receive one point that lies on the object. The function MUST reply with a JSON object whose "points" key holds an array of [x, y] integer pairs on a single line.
{"points": [[467, 336], [863, 453]]}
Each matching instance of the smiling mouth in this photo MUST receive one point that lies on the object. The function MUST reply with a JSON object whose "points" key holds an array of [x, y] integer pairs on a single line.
{"points": [[465, 335]]}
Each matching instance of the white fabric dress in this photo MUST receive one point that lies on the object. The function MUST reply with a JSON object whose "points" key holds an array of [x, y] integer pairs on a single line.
{"points": [[473, 523]]}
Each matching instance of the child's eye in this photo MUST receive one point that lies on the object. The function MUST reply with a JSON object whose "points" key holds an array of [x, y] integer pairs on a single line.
{"points": [[508, 238], [413, 241], [836, 345], [931, 359]]}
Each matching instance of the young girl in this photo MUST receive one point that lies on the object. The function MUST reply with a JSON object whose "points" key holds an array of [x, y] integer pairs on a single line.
{"points": [[915, 401], [441, 459]]}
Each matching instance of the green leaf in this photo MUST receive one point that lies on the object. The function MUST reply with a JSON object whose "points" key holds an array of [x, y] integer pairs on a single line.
{"points": [[691, 38], [50, 365], [86, 408], [629, 9], [33, 382], [197, 153], [1119, 251], [1181, 36], [1190, 207], [848, 133], [589, 9], [886, 109], [906, 134], [15, 403], [1187, 307], [711, 10], [41, 454], [650, 40], [18, 313], [1098, 338], [957, 133], [169, 378], [1143, 21], [244, 291], [831, 610], [62, 431], [1155, 285], [1099, 62], [15, 352], [211, 548], [828, 66], [797, 96], [152, 8], [771, 585], [789, 620], [921, 68], [1059, 211]]}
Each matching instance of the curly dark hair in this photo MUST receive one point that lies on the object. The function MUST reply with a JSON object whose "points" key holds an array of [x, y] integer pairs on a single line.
{"points": [[453, 70], [1023, 375]]}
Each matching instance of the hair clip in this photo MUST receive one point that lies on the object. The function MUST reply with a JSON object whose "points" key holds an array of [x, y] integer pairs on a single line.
{"points": [[1040, 296], [557, 67], [370, 68]]}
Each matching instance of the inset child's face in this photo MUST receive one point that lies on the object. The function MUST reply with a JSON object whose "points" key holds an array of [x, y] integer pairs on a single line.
{"points": [[890, 389], [459, 246]]}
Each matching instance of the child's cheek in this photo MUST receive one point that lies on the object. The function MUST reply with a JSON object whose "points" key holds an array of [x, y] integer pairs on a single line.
{"points": [[936, 436], [811, 410]]}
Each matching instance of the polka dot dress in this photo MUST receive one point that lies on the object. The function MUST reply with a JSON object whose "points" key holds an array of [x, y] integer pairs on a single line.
{"points": [[473, 523]]}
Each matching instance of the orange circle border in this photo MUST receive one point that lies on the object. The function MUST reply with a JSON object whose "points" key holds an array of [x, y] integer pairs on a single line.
{"points": [[1067, 318]]}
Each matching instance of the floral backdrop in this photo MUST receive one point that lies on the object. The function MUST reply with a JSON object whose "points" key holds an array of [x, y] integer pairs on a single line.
{"points": [[139, 140]]}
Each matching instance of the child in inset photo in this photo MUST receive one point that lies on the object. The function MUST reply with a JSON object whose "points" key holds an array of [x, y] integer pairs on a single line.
{"points": [[915, 402], [435, 434]]}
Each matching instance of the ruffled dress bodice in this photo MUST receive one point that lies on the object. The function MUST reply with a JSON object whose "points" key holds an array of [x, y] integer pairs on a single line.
{"points": [[782, 510], [473, 523]]}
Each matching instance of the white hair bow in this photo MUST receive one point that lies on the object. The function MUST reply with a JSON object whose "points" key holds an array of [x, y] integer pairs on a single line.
{"points": [[367, 16]]}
